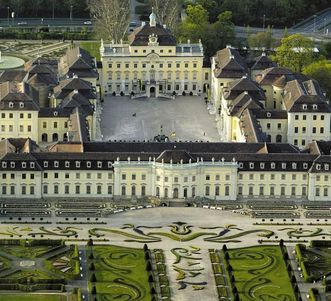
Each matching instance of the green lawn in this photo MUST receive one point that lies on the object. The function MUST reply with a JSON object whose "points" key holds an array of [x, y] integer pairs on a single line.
{"points": [[92, 47], [32, 297], [121, 273], [260, 274]]}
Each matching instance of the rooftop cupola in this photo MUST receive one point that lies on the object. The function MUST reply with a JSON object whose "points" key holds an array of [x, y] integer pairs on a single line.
{"points": [[152, 19]]}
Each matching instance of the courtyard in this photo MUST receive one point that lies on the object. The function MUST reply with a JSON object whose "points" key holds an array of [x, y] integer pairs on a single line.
{"points": [[186, 118]]}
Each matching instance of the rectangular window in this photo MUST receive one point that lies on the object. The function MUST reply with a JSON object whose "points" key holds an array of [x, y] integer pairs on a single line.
{"points": [[123, 177], [45, 189], [272, 190], [56, 189], [66, 189], [110, 190], [12, 190], [143, 190], [282, 190], [24, 190], [77, 189], [88, 189], [99, 189]]}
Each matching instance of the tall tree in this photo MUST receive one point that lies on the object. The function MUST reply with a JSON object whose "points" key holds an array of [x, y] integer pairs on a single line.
{"points": [[295, 52], [167, 12], [112, 18], [320, 71]]}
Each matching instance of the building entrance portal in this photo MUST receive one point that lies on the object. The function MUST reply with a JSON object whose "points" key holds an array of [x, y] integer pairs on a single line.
{"points": [[152, 92], [175, 194]]}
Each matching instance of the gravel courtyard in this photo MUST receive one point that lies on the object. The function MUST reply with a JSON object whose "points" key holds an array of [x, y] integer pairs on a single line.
{"points": [[140, 119]]}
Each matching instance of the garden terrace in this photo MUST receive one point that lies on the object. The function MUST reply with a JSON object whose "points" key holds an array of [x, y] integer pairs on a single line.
{"points": [[24, 205], [318, 214], [278, 205], [316, 205], [274, 214], [25, 213], [79, 213], [260, 273], [80, 205]]}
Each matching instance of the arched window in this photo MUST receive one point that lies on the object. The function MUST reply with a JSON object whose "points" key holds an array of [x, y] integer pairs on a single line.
{"points": [[65, 137], [217, 190], [207, 190], [123, 190], [133, 190], [279, 138], [143, 190], [185, 192], [165, 192], [157, 191], [55, 137], [193, 192], [44, 137]]}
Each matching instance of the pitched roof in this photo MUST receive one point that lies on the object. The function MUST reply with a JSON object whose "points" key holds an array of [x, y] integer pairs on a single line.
{"points": [[12, 75], [270, 76], [140, 37], [238, 86], [229, 64], [305, 97], [174, 156], [251, 128], [263, 62]]}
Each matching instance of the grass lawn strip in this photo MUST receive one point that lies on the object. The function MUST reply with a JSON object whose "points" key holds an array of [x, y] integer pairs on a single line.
{"points": [[121, 273], [32, 297], [258, 271]]}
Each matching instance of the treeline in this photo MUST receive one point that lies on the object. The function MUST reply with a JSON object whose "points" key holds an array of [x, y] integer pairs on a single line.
{"points": [[268, 12], [44, 8]]}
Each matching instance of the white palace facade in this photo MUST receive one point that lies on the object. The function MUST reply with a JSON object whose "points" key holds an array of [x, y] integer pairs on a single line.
{"points": [[131, 170]]}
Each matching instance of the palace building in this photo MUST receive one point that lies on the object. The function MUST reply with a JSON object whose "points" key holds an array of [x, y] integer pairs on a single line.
{"points": [[126, 170], [153, 64]]}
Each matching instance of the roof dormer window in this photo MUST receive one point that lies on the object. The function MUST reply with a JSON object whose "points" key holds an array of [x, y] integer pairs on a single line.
{"points": [[12, 164], [251, 165], [314, 107], [32, 164], [55, 113], [304, 107], [88, 164], [294, 166], [99, 164], [21, 104], [56, 163], [11, 104], [77, 164], [283, 165], [305, 165], [23, 164], [326, 166], [241, 165], [268, 114], [318, 166], [273, 165], [110, 164], [4, 164], [262, 165], [67, 164], [46, 164]]}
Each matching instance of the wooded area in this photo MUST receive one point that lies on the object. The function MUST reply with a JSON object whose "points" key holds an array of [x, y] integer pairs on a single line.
{"points": [[44, 8], [264, 12]]}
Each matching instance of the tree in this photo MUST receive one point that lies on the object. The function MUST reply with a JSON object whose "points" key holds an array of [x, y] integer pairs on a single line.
{"points": [[112, 18], [295, 52], [167, 12], [214, 36], [320, 71], [261, 40]]}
